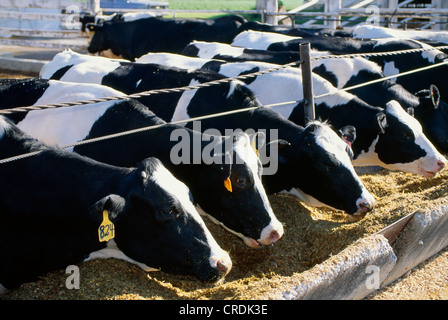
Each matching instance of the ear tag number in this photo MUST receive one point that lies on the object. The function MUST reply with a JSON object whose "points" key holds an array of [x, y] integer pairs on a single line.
{"points": [[106, 231], [228, 184]]}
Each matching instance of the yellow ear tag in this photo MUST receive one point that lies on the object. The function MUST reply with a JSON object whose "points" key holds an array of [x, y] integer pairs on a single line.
{"points": [[228, 184], [106, 231], [255, 149]]}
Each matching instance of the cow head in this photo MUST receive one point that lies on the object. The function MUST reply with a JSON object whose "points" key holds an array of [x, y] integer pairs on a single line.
{"points": [[230, 191], [318, 166], [98, 40], [157, 225], [412, 151]]}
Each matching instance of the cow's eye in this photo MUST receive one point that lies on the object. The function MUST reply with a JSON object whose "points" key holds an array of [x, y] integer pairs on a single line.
{"points": [[171, 212], [241, 182], [408, 135]]}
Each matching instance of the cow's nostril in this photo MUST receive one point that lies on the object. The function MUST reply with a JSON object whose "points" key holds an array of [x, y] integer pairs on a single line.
{"points": [[275, 236], [441, 164], [222, 266]]}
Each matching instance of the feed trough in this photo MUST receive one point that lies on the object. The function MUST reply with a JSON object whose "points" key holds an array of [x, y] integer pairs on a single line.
{"points": [[323, 254]]}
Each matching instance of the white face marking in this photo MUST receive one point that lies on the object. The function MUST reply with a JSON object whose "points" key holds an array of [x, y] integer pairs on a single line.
{"points": [[180, 113], [329, 141], [63, 126], [179, 190], [245, 151], [333, 144], [259, 40]]}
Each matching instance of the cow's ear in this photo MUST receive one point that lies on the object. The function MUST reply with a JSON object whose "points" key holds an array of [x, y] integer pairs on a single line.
{"points": [[429, 98], [113, 204], [348, 134], [278, 148], [382, 121], [94, 27], [257, 140]]}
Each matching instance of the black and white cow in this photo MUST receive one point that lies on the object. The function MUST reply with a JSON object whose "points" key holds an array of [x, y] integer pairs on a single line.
{"points": [[133, 39], [308, 156], [390, 64], [245, 210], [293, 31], [87, 19], [53, 203], [377, 32], [227, 52], [426, 105], [280, 83]]}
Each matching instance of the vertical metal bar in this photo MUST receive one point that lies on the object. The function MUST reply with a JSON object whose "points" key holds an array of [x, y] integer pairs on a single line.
{"points": [[307, 82]]}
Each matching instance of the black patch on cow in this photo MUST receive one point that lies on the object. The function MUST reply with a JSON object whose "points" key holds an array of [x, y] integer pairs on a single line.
{"points": [[329, 76], [29, 91], [135, 38], [213, 66], [124, 151], [132, 78], [60, 73], [250, 79], [191, 51]]}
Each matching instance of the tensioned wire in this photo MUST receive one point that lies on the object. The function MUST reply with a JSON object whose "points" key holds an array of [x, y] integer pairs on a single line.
{"points": [[206, 84]]}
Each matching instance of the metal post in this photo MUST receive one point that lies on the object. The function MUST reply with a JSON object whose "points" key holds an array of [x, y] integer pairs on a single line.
{"points": [[307, 82]]}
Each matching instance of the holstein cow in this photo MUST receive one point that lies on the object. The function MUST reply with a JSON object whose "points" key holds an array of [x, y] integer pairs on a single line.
{"points": [[426, 105], [376, 32], [245, 209], [385, 148], [133, 39], [59, 208], [293, 31], [390, 64], [303, 161], [86, 19]]}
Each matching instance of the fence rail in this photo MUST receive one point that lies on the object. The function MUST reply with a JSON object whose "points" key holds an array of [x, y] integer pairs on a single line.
{"points": [[26, 22], [331, 14]]}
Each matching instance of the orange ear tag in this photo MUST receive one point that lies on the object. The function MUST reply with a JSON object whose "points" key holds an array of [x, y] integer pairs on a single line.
{"points": [[106, 231], [228, 184]]}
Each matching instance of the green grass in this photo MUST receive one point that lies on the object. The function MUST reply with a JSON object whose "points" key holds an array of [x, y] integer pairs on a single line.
{"points": [[221, 5]]}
